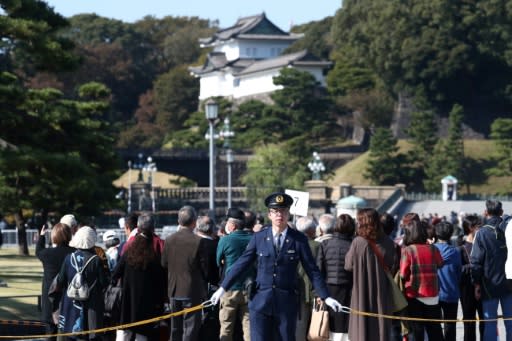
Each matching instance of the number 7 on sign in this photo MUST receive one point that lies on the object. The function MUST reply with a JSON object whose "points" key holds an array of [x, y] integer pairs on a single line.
{"points": [[300, 202]]}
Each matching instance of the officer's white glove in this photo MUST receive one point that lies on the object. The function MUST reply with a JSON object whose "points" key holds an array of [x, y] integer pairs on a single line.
{"points": [[335, 305], [217, 295]]}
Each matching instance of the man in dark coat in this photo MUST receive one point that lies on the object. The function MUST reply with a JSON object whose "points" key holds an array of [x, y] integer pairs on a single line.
{"points": [[186, 259], [277, 250]]}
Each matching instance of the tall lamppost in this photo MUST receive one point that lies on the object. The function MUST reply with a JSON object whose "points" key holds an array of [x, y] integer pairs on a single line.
{"points": [[316, 166], [129, 208], [212, 112], [226, 133], [151, 168]]}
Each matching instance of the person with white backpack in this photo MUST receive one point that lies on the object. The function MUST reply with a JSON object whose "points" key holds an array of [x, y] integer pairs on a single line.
{"points": [[82, 305]]}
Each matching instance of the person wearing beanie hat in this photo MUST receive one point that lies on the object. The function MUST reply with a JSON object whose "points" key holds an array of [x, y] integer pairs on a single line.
{"points": [[235, 304], [83, 315], [70, 221]]}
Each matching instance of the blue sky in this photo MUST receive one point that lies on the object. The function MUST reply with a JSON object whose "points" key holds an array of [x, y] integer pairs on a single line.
{"points": [[280, 12]]}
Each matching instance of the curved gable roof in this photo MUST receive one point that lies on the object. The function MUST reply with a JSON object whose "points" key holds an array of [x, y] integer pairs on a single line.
{"points": [[301, 58], [247, 27]]}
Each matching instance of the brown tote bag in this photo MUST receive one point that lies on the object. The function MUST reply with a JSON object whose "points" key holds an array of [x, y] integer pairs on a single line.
{"points": [[319, 326]]}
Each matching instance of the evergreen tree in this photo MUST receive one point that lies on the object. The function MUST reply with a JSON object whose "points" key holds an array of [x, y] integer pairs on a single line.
{"points": [[448, 155], [501, 133], [422, 131], [383, 165]]}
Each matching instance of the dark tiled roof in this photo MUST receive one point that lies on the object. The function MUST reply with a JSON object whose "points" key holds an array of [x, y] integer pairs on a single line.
{"points": [[252, 27], [296, 59], [218, 60], [239, 67]]}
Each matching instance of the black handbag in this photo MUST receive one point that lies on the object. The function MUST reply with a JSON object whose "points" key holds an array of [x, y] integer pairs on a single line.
{"points": [[112, 299]]}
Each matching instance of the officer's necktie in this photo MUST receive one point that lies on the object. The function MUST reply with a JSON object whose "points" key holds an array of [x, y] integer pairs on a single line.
{"points": [[278, 244]]}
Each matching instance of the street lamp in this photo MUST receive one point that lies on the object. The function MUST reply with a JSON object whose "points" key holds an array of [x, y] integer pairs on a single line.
{"points": [[129, 208], [150, 167], [229, 159], [212, 112], [226, 133], [316, 166]]}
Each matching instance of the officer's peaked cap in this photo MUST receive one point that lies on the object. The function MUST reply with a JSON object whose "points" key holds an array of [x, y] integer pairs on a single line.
{"points": [[278, 200]]}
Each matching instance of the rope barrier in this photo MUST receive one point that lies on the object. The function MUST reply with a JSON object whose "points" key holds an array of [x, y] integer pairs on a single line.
{"points": [[207, 304], [108, 329]]}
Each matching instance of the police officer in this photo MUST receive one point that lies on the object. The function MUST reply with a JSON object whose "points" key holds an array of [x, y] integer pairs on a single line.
{"points": [[277, 251]]}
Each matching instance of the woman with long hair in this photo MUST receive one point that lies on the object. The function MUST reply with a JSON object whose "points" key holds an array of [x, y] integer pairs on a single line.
{"points": [[143, 282], [371, 254]]}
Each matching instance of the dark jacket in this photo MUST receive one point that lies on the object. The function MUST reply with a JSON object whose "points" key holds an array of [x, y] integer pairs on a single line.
{"points": [[71, 317], [52, 259], [230, 248], [276, 279], [488, 257], [331, 259], [306, 291], [186, 259], [143, 292]]}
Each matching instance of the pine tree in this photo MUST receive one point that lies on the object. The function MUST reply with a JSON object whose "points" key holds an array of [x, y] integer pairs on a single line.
{"points": [[383, 165], [501, 133], [448, 155]]}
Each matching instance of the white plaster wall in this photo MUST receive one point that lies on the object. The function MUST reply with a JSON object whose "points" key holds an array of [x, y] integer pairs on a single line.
{"points": [[230, 48], [261, 49], [256, 83], [218, 84]]}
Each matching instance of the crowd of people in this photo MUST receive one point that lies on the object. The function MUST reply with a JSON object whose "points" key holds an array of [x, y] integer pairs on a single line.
{"points": [[263, 280]]}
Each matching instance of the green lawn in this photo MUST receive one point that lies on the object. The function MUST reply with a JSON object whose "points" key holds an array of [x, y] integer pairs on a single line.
{"points": [[23, 275], [478, 153]]}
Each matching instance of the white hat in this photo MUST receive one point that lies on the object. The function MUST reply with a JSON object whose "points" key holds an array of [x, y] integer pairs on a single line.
{"points": [[69, 220], [110, 234], [84, 238]]}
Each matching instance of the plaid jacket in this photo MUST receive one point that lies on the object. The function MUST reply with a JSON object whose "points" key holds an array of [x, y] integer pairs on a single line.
{"points": [[418, 270]]}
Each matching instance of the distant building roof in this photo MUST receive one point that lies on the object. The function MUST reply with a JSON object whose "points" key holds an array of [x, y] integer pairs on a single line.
{"points": [[251, 27], [302, 58], [240, 67]]}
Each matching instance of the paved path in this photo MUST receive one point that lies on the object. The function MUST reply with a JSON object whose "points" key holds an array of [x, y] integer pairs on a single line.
{"points": [[460, 327]]}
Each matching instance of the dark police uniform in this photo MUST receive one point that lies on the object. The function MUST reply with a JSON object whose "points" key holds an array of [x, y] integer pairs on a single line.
{"points": [[273, 309]]}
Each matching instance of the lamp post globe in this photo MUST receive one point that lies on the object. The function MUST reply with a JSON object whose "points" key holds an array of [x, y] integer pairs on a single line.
{"points": [[316, 166]]}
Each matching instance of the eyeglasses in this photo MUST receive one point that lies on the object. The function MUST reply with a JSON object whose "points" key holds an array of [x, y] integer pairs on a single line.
{"points": [[281, 211]]}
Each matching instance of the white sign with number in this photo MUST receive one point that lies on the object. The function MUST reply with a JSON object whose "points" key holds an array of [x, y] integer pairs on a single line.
{"points": [[300, 202]]}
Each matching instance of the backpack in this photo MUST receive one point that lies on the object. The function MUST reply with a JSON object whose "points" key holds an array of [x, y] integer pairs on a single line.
{"points": [[78, 289]]}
